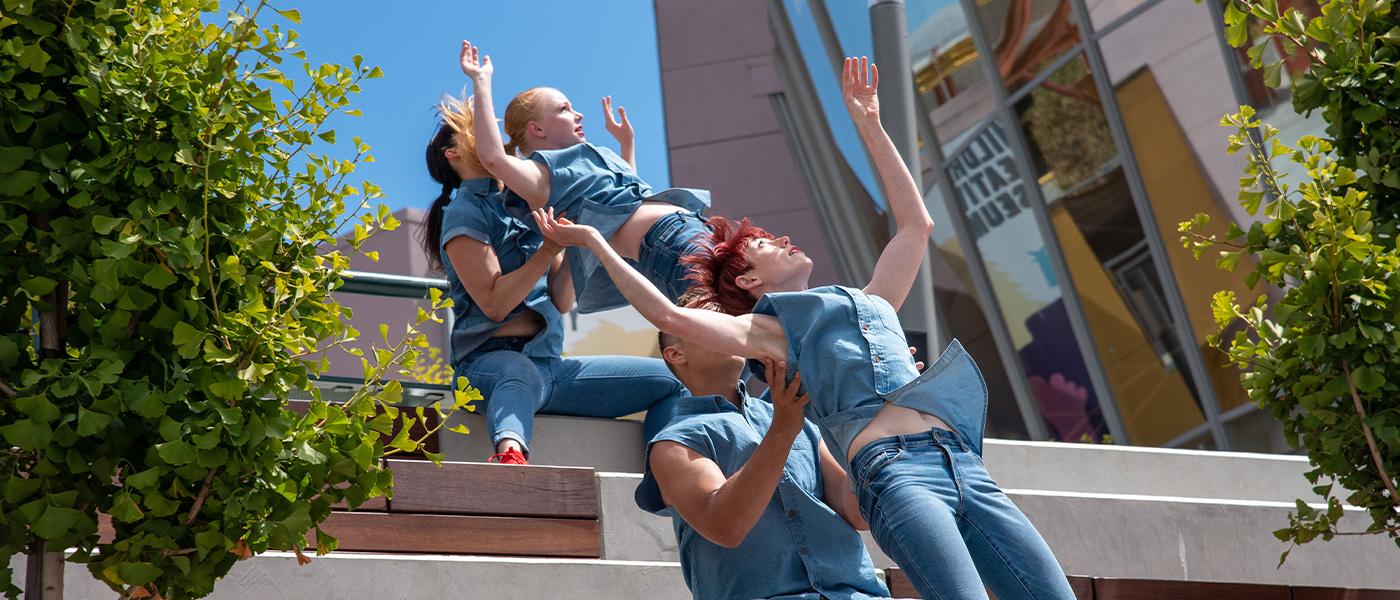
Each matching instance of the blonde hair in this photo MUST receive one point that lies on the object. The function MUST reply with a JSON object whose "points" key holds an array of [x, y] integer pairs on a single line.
{"points": [[457, 114], [523, 108]]}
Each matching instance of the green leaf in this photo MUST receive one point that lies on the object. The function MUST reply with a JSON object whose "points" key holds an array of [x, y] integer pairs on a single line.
{"points": [[176, 453], [1391, 37], [1369, 113], [17, 489], [159, 277], [55, 522], [138, 573], [292, 15], [1366, 379], [27, 434], [19, 183], [38, 286], [11, 159], [1273, 74], [90, 422]]}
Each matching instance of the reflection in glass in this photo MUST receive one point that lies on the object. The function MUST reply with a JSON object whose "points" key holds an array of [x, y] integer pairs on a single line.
{"points": [[826, 79], [1171, 87], [1101, 237], [950, 80], [1103, 13], [992, 198], [1026, 35], [957, 301]]}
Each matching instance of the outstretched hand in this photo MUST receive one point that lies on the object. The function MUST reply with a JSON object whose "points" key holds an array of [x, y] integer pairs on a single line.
{"points": [[477, 70], [859, 80], [622, 130], [787, 403], [563, 231]]}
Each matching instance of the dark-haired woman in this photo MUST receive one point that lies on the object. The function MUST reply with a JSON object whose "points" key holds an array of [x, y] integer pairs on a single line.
{"points": [[912, 442], [591, 183], [508, 334]]}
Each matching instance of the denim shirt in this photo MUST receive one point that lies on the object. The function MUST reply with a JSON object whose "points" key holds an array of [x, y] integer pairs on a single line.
{"points": [[476, 212], [799, 549], [853, 357], [597, 188]]}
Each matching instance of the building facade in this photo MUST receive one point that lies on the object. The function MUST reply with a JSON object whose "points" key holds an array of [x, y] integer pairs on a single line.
{"points": [[1061, 142]]}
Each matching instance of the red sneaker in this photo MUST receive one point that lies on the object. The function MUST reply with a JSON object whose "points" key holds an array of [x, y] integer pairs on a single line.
{"points": [[510, 457]]}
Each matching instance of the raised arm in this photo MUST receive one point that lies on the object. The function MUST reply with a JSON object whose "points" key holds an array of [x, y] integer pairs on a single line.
{"points": [[622, 131], [525, 177], [750, 336], [725, 509], [495, 292], [899, 262]]}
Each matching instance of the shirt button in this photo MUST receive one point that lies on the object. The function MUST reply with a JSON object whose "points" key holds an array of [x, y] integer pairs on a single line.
{"points": [[866, 326], [804, 550], [792, 513], [877, 359]]}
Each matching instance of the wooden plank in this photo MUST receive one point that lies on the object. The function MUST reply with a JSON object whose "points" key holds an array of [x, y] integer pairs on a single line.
{"points": [[462, 534], [1318, 593], [1155, 589], [491, 489], [901, 587], [375, 504]]}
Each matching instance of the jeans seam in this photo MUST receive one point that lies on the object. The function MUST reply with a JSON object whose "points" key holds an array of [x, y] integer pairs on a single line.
{"points": [[1000, 555]]}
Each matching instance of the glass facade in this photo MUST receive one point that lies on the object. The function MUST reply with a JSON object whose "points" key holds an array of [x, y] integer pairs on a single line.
{"points": [[1061, 143]]}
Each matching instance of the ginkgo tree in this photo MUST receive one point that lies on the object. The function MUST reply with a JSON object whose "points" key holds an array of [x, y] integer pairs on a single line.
{"points": [[1324, 357], [169, 239]]}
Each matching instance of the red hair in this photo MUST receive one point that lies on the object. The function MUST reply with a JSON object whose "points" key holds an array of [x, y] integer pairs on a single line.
{"points": [[725, 257]]}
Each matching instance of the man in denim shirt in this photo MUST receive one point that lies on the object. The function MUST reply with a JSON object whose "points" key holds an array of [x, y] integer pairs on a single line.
{"points": [[760, 507]]}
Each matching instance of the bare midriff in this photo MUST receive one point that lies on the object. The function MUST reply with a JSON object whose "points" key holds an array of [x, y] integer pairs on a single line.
{"points": [[627, 240], [894, 420], [527, 324]]}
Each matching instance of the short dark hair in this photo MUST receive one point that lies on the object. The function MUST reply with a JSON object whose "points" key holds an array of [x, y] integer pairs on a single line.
{"points": [[692, 298]]}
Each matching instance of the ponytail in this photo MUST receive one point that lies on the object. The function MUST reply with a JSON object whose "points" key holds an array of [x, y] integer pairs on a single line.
{"points": [[440, 169]]}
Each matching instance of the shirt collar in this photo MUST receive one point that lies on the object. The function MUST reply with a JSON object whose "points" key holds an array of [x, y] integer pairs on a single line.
{"points": [[480, 186], [697, 405]]}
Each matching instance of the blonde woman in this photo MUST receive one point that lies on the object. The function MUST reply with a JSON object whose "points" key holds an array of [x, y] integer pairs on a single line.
{"points": [[591, 184]]}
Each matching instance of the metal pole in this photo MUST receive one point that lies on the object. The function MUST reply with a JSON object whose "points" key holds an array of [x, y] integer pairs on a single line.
{"points": [[889, 33]]}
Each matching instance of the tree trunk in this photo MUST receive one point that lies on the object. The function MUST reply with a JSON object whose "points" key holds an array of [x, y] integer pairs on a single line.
{"points": [[44, 576]]}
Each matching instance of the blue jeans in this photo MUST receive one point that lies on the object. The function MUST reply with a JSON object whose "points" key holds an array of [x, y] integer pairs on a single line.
{"points": [[933, 508], [515, 387], [671, 237]]}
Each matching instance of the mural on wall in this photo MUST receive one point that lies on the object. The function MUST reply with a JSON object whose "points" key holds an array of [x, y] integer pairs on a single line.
{"points": [[996, 208]]}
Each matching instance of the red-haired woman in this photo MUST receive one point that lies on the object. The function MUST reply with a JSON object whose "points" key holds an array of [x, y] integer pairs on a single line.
{"points": [[592, 184], [912, 442]]}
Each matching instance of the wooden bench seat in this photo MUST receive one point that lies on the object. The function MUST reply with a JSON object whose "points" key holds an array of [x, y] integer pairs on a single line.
{"points": [[1107, 588]]}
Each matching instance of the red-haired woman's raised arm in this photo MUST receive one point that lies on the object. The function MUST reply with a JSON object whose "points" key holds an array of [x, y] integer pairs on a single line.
{"points": [[749, 336], [899, 262]]}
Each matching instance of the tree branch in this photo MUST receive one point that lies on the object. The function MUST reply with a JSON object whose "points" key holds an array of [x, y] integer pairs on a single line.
{"points": [[203, 493], [1370, 439]]}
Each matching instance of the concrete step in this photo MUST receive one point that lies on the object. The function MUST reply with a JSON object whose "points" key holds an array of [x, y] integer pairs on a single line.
{"points": [[1132, 536], [348, 576], [615, 446]]}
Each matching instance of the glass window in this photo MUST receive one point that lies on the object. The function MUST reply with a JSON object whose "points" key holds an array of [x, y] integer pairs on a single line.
{"points": [[1104, 12], [958, 304], [992, 198], [1026, 35], [824, 69], [1091, 208], [1172, 84], [948, 74]]}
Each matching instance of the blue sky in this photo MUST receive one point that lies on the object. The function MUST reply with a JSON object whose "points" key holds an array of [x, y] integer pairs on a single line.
{"points": [[585, 49]]}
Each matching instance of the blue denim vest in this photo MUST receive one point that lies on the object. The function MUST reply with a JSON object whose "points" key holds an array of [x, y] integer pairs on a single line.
{"points": [[597, 188], [853, 357], [799, 549], [476, 212]]}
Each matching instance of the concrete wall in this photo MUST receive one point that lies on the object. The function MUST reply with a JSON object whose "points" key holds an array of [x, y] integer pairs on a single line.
{"points": [[721, 131]]}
